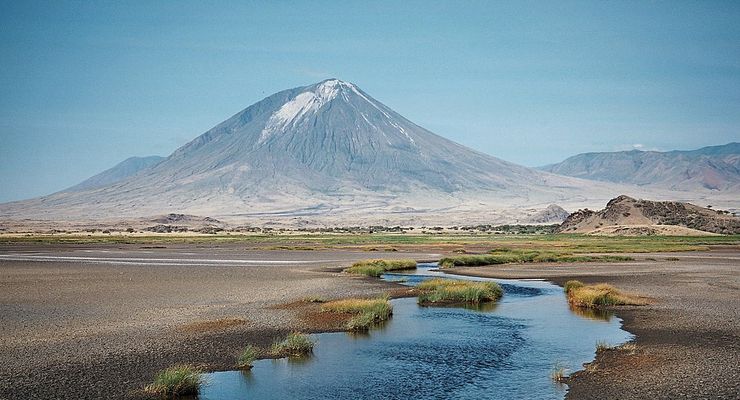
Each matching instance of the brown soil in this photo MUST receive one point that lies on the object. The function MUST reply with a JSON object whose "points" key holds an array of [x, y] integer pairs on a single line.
{"points": [[687, 339]]}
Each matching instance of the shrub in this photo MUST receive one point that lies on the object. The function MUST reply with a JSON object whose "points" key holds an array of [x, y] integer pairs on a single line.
{"points": [[362, 322], [600, 295], [558, 374], [294, 345], [457, 291], [602, 346], [175, 381], [247, 357], [379, 267], [572, 285], [366, 312]]}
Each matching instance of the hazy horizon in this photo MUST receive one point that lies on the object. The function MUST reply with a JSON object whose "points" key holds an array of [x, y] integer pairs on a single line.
{"points": [[89, 85]]}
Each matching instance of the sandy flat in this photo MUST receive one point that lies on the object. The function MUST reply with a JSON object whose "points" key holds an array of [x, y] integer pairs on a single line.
{"points": [[98, 321]]}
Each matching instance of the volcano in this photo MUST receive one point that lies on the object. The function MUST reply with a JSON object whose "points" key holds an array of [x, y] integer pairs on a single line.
{"points": [[327, 152]]}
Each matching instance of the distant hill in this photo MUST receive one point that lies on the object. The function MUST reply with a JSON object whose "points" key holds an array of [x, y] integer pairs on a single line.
{"points": [[549, 215], [125, 169], [714, 168], [625, 215]]}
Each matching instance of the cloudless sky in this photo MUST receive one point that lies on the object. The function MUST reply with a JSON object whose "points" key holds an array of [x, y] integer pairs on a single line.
{"points": [[84, 85]]}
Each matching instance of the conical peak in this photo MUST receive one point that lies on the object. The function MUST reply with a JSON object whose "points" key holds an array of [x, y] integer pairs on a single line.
{"points": [[335, 82], [328, 89], [309, 101]]}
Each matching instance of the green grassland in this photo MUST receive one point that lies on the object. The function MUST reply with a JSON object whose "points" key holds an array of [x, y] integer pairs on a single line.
{"points": [[561, 243], [507, 256]]}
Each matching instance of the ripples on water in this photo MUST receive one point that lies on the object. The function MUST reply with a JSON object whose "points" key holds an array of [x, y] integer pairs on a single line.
{"points": [[503, 352]]}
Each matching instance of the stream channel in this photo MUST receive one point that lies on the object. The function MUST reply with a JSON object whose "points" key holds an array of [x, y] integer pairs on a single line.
{"points": [[505, 350]]}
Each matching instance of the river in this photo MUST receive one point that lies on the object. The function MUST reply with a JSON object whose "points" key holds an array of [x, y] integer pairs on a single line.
{"points": [[506, 350]]}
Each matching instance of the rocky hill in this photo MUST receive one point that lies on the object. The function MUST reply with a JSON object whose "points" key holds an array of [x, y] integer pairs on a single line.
{"points": [[626, 215], [549, 215]]}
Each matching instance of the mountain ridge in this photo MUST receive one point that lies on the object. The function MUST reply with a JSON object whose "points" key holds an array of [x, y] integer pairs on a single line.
{"points": [[125, 169], [713, 168]]}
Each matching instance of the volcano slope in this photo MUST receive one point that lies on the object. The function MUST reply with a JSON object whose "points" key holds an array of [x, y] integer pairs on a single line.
{"points": [[326, 152]]}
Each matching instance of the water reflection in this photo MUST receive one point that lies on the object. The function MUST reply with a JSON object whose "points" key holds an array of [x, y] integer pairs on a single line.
{"points": [[299, 360], [374, 327], [481, 307], [592, 313]]}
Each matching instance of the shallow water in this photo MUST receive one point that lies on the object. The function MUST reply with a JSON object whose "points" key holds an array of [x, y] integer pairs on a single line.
{"points": [[503, 351]]}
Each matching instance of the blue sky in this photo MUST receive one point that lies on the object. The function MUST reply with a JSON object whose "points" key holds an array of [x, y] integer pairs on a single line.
{"points": [[85, 85]]}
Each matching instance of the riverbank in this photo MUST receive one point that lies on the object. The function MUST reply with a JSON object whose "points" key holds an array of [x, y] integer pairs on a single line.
{"points": [[687, 341], [98, 321]]}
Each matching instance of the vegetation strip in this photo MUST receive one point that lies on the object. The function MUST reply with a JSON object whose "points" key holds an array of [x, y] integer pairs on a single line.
{"points": [[365, 312], [379, 267], [450, 291], [507, 256], [599, 295], [577, 243]]}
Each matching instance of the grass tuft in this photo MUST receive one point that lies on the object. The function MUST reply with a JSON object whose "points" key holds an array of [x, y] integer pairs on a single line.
{"points": [[572, 285], [247, 357], [379, 267], [559, 374], [294, 345], [366, 312], [508, 256], [179, 380], [602, 346], [450, 291], [600, 295]]}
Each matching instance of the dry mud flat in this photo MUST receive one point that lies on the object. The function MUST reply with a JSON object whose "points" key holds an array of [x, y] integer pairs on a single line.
{"points": [[98, 321], [688, 339]]}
